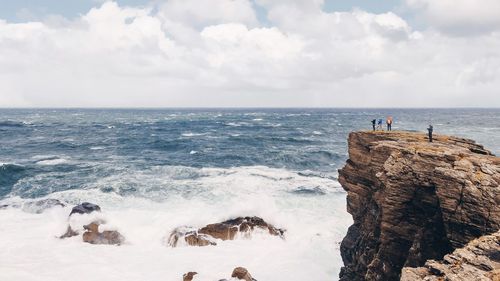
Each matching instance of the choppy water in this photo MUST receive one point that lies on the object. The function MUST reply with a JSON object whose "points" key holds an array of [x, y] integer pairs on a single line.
{"points": [[154, 170]]}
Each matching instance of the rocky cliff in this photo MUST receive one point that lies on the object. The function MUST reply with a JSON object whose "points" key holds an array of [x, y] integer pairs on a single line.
{"points": [[412, 200]]}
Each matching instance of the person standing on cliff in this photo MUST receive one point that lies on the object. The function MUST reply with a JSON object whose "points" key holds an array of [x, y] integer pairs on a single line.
{"points": [[379, 124], [374, 121], [430, 129], [389, 123]]}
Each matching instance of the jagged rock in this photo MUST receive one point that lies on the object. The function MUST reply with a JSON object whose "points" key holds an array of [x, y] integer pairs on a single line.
{"points": [[478, 260], [190, 236], [93, 236], [226, 230], [412, 200], [242, 274], [189, 276], [85, 208]]}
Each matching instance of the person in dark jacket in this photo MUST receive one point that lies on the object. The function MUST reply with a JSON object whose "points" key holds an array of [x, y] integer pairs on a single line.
{"points": [[374, 121], [430, 129]]}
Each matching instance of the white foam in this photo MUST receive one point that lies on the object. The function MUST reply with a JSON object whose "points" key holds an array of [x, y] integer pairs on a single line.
{"points": [[195, 197], [193, 134], [97, 148], [50, 162]]}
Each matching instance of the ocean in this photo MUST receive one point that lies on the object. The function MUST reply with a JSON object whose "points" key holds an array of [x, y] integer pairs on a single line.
{"points": [[152, 170]]}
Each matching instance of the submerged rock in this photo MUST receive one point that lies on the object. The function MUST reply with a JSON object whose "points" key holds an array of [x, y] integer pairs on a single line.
{"points": [[69, 233], [93, 236], [85, 208], [478, 260], [189, 276], [39, 206], [412, 200], [226, 230]]}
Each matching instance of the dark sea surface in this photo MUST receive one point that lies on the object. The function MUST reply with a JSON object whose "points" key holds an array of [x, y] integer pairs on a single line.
{"points": [[44, 151]]}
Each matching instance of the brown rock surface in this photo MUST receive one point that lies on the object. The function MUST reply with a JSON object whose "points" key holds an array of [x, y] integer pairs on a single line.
{"points": [[226, 230], [189, 276], [412, 200], [242, 274], [478, 260], [93, 236]]}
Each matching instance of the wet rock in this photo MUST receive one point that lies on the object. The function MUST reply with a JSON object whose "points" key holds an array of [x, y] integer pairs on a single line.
{"points": [[412, 200], [93, 236], [242, 274], [69, 233], [478, 260], [226, 230], [85, 208], [190, 236], [189, 276], [39, 206]]}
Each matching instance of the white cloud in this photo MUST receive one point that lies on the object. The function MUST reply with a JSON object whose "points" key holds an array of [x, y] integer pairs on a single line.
{"points": [[124, 56], [459, 17]]}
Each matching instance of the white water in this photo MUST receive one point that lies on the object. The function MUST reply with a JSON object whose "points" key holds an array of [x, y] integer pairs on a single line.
{"points": [[29, 249]]}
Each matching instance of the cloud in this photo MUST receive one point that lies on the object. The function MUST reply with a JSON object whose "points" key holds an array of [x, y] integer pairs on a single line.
{"points": [[176, 55], [459, 17], [200, 13]]}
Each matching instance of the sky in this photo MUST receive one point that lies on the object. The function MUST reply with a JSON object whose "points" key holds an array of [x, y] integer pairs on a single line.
{"points": [[250, 53]]}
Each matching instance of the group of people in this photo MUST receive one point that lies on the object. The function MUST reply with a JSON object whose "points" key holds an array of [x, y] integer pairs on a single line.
{"points": [[377, 125]]}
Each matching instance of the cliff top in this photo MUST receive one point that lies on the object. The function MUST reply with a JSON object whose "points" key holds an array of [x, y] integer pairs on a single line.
{"points": [[420, 142]]}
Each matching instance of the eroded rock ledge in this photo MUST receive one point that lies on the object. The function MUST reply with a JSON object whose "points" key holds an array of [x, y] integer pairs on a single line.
{"points": [[412, 200], [478, 260]]}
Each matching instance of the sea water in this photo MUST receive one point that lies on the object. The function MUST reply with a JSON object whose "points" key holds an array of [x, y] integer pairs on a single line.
{"points": [[154, 170]]}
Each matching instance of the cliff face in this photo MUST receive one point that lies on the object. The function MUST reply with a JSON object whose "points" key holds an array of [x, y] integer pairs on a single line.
{"points": [[412, 200]]}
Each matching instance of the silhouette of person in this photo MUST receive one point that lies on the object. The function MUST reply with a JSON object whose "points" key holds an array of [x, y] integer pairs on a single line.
{"points": [[374, 121], [379, 124], [430, 129]]}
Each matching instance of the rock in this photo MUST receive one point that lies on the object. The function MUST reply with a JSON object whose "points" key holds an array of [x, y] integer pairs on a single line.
{"points": [[189, 276], [190, 236], [93, 236], [412, 200], [226, 230], [242, 274], [85, 208], [38, 206], [478, 260], [69, 233]]}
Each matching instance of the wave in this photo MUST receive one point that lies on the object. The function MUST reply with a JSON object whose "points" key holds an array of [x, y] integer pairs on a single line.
{"points": [[193, 134], [52, 162], [9, 175], [10, 123]]}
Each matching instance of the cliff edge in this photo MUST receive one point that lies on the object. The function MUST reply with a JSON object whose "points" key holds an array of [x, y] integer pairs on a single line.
{"points": [[413, 201]]}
